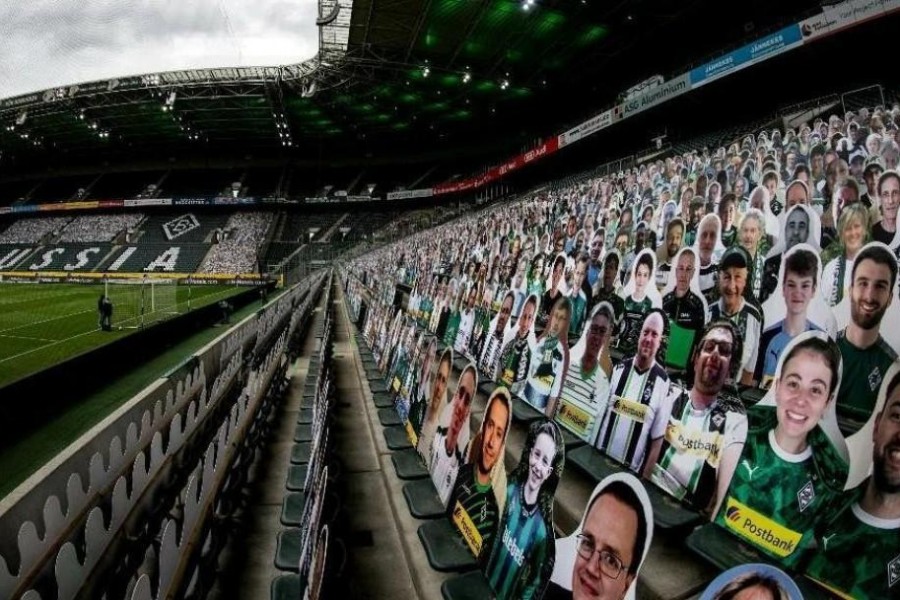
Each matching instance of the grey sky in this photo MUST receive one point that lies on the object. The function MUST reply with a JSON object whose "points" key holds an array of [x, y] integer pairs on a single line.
{"points": [[47, 43]]}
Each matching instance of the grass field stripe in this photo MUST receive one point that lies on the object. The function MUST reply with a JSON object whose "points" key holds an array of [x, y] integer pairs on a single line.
{"points": [[26, 337], [32, 323], [68, 339]]}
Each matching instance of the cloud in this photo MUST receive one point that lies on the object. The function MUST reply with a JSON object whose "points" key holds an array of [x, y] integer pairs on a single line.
{"points": [[48, 43]]}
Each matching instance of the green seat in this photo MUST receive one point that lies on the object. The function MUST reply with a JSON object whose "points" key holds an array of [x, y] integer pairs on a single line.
{"points": [[287, 587], [571, 440], [525, 413], [303, 433], [292, 509], [300, 453], [447, 552], [409, 465], [388, 417], [296, 478], [395, 438], [305, 416], [669, 513], [751, 396], [383, 400], [288, 548], [422, 499], [722, 549], [592, 462], [466, 587]]}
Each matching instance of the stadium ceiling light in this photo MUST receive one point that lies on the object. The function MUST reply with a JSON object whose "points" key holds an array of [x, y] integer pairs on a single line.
{"points": [[504, 83]]}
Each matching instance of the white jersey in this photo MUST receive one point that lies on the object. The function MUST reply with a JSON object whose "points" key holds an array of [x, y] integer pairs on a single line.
{"points": [[635, 410]]}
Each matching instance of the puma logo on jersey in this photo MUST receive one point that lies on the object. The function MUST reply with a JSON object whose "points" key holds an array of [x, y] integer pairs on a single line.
{"points": [[750, 469], [825, 540]]}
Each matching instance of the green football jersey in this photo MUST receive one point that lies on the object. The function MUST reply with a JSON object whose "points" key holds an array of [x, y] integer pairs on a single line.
{"points": [[775, 498], [864, 370], [858, 555]]}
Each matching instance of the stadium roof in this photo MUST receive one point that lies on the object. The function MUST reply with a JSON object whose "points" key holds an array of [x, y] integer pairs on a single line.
{"points": [[391, 75]]}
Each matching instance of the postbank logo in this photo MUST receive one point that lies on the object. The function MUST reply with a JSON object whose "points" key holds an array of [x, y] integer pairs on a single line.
{"points": [[760, 530], [467, 529], [706, 445], [632, 410], [574, 418]]}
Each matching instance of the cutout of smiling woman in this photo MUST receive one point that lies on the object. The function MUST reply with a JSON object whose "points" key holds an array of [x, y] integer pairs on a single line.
{"points": [[794, 462]]}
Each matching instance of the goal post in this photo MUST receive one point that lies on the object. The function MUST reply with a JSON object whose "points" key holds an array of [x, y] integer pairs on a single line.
{"points": [[139, 302]]}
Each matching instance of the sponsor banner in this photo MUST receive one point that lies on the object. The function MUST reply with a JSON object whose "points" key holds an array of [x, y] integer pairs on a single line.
{"points": [[280, 200], [323, 200], [231, 201], [668, 90], [340, 193], [110, 203], [846, 14], [84, 205], [191, 201], [592, 125], [360, 198], [760, 50], [407, 194], [549, 146], [135, 202], [24, 208], [20, 100], [248, 279], [5, 210]]}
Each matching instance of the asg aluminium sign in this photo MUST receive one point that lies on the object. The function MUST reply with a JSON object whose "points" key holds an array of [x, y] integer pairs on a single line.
{"points": [[666, 91]]}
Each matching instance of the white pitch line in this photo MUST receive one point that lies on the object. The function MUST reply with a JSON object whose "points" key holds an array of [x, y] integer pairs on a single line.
{"points": [[26, 337], [65, 316], [21, 354]]}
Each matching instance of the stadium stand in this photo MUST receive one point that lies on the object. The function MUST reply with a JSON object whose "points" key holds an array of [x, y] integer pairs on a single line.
{"points": [[30, 230], [99, 228], [641, 323], [186, 226], [237, 251]]}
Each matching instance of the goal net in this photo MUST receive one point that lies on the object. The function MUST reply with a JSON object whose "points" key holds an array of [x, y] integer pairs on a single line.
{"points": [[139, 302]]}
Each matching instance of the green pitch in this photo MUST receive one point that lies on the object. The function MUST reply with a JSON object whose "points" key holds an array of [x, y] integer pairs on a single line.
{"points": [[43, 324]]}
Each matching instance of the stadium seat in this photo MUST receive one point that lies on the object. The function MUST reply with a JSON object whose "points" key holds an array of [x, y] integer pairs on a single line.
{"points": [[422, 499], [388, 417], [293, 507], [409, 465], [395, 438], [722, 549], [289, 545], [466, 587], [383, 400], [522, 412], [447, 552], [287, 587], [296, 478], [300, 453]]}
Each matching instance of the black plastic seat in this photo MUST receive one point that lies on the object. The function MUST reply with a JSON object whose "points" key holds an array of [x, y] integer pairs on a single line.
{"points": [[287, 587], [409, 465], [447, 552], [467, 587], [292, 509], [388, 417], [396, 438], [422, 499]]}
